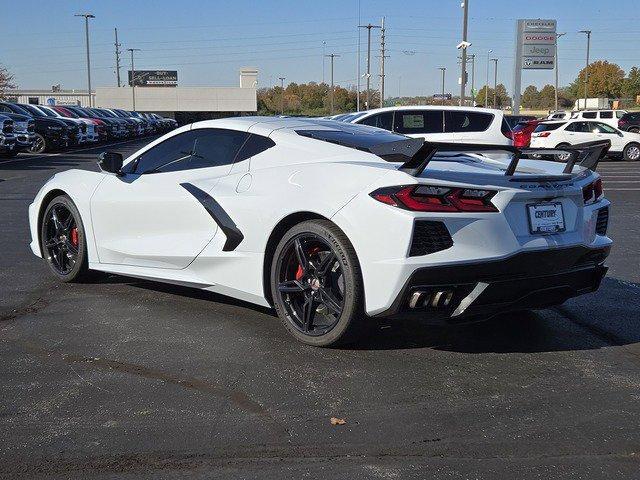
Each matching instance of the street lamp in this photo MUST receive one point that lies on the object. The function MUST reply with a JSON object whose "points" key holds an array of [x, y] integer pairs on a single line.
{"points": [[133, 78], [442, 69], [282, 95], [87, 16], [586, 70], [495, 83], [558, 35]]}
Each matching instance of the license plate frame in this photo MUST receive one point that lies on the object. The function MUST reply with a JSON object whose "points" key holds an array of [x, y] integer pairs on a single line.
{"points": [[538, 228]]}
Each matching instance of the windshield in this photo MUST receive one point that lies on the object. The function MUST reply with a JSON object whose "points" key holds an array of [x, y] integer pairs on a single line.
{"points": [[68, 113], [47, 112], [20, 110], [34, 111]]}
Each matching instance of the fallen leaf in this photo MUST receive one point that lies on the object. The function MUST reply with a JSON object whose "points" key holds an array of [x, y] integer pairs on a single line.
{"points": [[338, 421]]}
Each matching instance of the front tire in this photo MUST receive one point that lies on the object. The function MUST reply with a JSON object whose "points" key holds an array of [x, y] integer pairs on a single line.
{"points": [[631, 152], [39, 145], [62, 240], [317, 284]]}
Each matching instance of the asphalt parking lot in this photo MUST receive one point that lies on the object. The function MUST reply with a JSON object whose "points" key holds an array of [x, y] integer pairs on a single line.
{"points": [[123, 378]]}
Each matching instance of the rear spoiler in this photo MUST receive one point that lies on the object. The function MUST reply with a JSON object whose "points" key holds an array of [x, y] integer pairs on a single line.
{"points": [[588, 154]]}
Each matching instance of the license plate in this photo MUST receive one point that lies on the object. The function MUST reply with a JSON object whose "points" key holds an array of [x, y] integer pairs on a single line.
{"points": [[546, 218]]}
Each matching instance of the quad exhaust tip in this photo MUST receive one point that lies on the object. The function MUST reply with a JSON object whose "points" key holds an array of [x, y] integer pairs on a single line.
{"points": [[435, 298]]}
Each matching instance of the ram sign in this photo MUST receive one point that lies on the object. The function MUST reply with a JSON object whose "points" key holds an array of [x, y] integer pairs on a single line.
{"points": [[155, 78]]}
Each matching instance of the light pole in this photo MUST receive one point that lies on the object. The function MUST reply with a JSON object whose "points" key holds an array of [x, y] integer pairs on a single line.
{"points": [[133, 77], [442, 69], [87, 16], [486, 88], [368, 27], [332, 56], [324, 44], [463, 71], [495, 83], [473, 79], [282, 95], [586, 70], [558, 35]]}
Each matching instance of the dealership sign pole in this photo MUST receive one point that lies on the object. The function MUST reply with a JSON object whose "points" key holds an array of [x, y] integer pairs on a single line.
{"points": [[535, 50]]}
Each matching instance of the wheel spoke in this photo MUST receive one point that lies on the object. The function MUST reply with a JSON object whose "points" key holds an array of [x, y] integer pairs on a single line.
{"points": [[56, 222], [291, 286], [71, 247], [50, 243], [68, 222], [308, 312], [330, 301], [326, 263], [301, 255]]}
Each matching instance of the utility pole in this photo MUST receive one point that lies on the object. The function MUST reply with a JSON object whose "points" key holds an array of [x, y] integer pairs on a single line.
{"points": [[473, 79], [586, 70], [332, 56], [87, 16], [463, 71], [358, 62], [486, 89], [368, 27], [282, 95], [558, 35], [133, 78], [443, 69], [324, 44], [382, 57], [117, 57], [495, 83]]}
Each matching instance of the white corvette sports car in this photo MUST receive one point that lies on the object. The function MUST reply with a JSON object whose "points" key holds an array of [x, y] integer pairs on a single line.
{"points": [[333, 223]]}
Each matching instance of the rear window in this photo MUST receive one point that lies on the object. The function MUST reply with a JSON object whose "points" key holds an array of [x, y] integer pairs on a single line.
{"points": [[545, 127], [461, 121], [416, 121], [380, 120], [606, 114]]}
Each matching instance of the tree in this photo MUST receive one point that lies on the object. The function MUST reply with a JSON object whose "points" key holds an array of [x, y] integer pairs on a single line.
{"points": [[531, 97], [605, 80], [547, 97], [6, 81], [631, 87]]}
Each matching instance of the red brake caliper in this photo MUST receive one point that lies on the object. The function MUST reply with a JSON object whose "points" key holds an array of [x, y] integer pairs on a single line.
{"points": [[74, 236], [300, 271]]}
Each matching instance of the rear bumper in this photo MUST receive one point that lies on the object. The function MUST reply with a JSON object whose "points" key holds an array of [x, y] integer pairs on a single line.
{"points": [[527, 280]]}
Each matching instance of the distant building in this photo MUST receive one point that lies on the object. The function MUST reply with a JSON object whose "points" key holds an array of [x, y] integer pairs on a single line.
{"points": [[186, 104]]}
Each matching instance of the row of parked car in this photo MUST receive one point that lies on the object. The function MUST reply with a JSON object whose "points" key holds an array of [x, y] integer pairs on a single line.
{"points": [[488, 126], [39, 128]]}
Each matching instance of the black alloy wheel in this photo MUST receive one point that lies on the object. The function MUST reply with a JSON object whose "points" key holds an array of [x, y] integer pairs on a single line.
{"points": [[316, 284], [62, 239], [39, 145]]}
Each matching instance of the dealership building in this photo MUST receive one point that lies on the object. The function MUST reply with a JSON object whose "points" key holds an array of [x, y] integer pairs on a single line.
{"points": [[185, 104]]}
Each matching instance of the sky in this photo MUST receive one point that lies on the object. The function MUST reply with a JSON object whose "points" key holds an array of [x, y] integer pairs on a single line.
{"points": [[209, 41]]}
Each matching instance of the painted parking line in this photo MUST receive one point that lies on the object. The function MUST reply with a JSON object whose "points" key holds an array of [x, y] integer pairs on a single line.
{"points": [[69, 152]]}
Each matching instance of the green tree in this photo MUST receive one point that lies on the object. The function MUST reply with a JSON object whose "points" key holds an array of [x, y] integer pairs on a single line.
{"points": [[547, 97], [531, 97], [631, 87], [6, 81], [605, 80]]}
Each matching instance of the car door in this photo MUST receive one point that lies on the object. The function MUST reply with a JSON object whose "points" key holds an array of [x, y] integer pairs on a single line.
{"points": [[151, 215], [427, 124], [602, 130], [576, 132]]}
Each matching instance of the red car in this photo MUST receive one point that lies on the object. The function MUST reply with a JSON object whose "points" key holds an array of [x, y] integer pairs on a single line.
{"points": [[522, 132], [100, 126]]}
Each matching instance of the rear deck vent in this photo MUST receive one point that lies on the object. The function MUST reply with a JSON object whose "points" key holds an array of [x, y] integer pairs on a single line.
{"points": [[429, 237], [603, 221]]}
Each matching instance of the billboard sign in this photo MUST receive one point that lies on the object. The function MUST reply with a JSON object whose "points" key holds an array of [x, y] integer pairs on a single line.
{"points": [[155, 78], [442, 96]]}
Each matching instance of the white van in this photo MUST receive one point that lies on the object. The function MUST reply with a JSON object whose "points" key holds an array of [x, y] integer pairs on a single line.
{"points": [[441, 123]]}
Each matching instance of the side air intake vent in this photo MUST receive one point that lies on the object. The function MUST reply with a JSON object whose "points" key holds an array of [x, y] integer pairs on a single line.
{"points": [[603, 221], [429, 237]]}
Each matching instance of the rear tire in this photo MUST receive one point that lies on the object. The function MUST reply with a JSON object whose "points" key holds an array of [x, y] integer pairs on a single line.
{"points": [[63, 241], [39, 145], [634, 130], [562, 157], [316, 284], [631, 152]]}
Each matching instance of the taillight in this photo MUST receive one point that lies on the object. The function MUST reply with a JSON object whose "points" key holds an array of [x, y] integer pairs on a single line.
{"points": [[592, 192], [428, 198]]}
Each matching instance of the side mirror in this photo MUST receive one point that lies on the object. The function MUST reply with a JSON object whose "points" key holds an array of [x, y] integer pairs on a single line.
{"points": [[110, 162]]}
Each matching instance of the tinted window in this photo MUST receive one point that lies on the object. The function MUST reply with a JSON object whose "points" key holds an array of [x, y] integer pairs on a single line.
{"points": [[608, 114], [589, 114], [200, 148], [545, 127], [601, 128], [461, 121], [254, 145], [579, 127], [416, 121], [381, 120]]}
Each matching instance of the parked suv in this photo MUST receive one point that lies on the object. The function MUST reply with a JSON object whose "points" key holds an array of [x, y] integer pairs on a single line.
{"points": [[442, 124], [630, 122], [76, 131], [86, 126], [7, 137], [24, 130], [610, 117], [99, 126], [552, 134], [50, 133]]}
